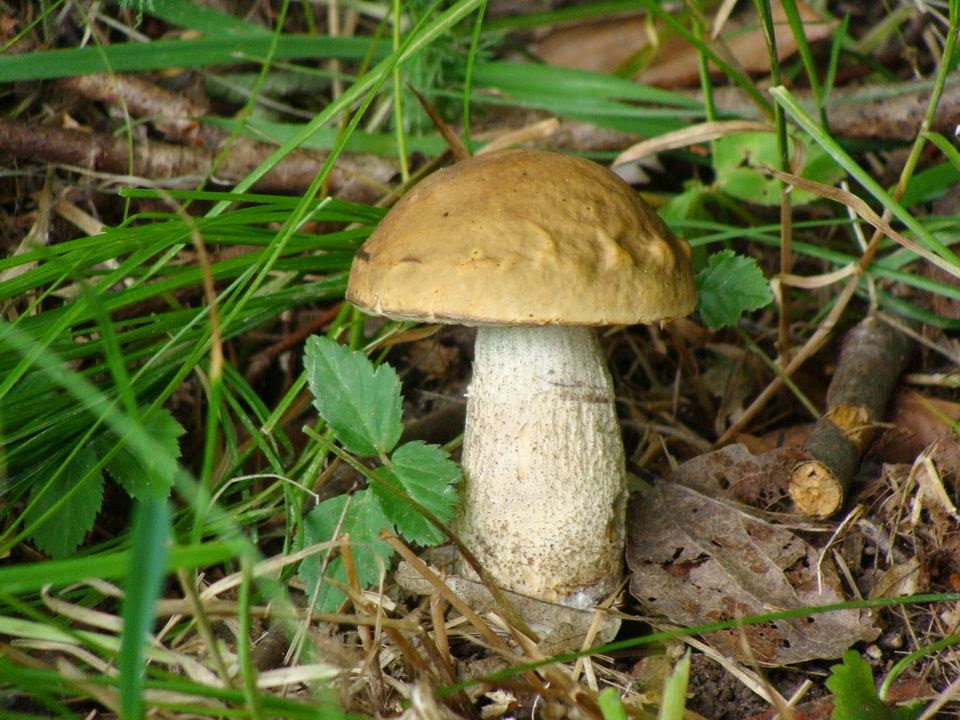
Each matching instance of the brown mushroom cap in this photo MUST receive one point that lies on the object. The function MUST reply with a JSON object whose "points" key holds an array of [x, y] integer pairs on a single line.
{"points": [[523, 237]]}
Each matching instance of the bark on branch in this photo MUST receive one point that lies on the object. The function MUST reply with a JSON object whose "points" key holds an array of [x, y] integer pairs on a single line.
{"points": [[354, 177]]}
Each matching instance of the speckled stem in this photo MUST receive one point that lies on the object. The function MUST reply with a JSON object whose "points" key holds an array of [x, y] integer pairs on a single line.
{"points": [[544, 492]]}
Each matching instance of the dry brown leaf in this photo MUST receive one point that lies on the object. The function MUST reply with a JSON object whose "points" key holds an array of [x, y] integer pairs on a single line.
{"points": [[676, 62], [898, 579], [917, 421], [603, 45], [733, 473], [696, 559], [609, 44], [790, 436]]}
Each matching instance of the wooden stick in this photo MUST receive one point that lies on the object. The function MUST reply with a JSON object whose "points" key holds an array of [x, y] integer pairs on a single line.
{"points": [[355, 177], [874, 354]]}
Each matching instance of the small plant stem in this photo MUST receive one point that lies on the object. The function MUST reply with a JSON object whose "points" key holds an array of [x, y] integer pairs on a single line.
{"points": [[203, 625], [908, 660], [803, 47], [943, 71], [214, 372], [248, 674], [288, 406], [689, 365], [783, 153], [834, 62], [703, 68], [459, 150], [333, 27], [398, 97], [356, 339], [786, 266], [816, 341], [807, 404], [370, 646], [441, 640], [468, 73]]}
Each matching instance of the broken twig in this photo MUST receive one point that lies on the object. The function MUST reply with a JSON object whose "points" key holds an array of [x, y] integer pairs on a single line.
{"points": [[873, 356]]}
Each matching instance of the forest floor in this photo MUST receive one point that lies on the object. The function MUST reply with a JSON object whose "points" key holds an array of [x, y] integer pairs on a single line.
{"points": [[184, 188]]}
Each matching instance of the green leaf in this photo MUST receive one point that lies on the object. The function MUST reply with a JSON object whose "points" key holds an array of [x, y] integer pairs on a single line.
{"points": [[686, 205], [205, 21], [363, 521], [425, 474], [155, 479], [65, 529], [736, 161], [854, 694], [729, 286], [360, 403]]}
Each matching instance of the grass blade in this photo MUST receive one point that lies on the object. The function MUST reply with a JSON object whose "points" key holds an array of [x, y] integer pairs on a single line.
{"points": [[793, 108], [163, 54], [151, 527]]}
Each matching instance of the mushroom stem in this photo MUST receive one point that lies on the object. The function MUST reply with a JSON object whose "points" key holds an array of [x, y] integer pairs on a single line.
{"points": [[545, 490]]}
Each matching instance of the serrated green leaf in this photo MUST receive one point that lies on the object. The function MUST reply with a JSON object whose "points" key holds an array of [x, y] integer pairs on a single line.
{"points": [[360, 403], [363, 521], [854, 694], [156, 478], [65, 529], [427, 475], [730, 285]]}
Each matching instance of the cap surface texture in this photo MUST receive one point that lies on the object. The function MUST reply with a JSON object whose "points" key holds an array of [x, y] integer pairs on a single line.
{"points": [[523, 237]]}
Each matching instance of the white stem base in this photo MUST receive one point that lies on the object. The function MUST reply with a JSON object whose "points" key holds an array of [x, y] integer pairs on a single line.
{"points": [[544, 480]]}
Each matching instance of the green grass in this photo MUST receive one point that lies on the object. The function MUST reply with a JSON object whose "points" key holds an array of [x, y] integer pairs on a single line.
{"points": [[102, 336]]}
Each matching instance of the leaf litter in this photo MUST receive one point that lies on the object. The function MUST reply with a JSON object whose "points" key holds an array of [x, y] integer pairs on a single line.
{"points": [[914, 547], [698, 558]]}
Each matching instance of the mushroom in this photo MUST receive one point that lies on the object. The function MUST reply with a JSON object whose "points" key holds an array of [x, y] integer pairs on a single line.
{"points": [[534, 248]]}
